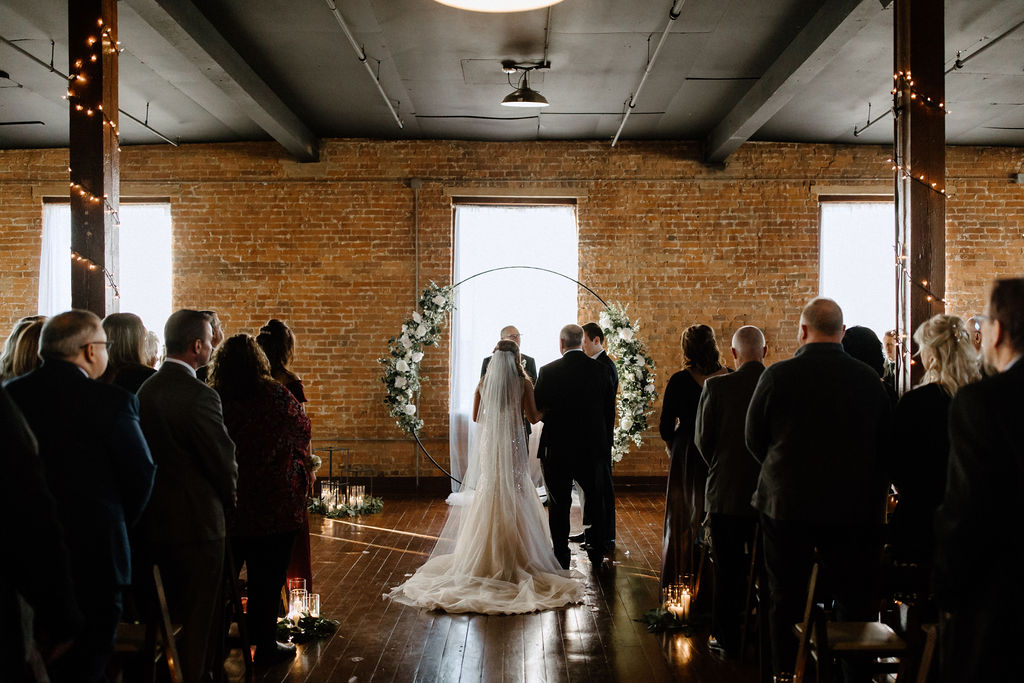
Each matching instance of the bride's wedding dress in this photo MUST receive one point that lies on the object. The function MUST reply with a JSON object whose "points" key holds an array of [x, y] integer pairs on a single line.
{"points": [[494, 555]]}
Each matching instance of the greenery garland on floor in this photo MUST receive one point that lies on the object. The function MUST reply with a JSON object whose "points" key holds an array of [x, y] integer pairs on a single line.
{"points": [[305, 629], [371, 505]]}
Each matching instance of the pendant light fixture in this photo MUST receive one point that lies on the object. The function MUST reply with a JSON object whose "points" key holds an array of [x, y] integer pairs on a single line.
{"points": [[524, 95], [498, 5]]}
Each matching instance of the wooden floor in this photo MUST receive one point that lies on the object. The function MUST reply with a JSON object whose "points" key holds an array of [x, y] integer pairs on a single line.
{"points": [[355, 561]]}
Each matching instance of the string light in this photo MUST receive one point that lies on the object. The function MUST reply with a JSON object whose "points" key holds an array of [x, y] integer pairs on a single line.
{"points": [[92, 265], [904, 171]]}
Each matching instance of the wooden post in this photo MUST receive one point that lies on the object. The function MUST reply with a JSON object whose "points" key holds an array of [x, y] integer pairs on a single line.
{"points": [[920, 170], [94, 158]]}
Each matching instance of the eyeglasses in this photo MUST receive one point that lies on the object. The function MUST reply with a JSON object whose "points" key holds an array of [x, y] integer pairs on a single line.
{"points": [[978, 319]]}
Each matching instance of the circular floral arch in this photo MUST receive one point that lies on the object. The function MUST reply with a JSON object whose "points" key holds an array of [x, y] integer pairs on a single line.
{"points": [[401, 376]]}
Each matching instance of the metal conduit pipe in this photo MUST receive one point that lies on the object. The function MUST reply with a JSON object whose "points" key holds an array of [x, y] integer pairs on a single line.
{"points": [[673, 14], [361, 54], [49, 67], [959, 63]]}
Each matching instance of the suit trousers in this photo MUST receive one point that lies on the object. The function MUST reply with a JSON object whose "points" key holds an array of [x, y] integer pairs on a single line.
{"points": [[732, 538], [850, 555], [559, 473], [193, 577], [86, 660], [266, 563]]}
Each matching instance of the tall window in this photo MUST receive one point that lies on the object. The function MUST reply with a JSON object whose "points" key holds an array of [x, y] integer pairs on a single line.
{"points": [[144, 280], [539, 304], [858, 261]]}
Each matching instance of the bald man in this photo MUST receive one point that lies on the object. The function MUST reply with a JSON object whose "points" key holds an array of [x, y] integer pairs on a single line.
{"points": [[819, 423], [732, 477]]}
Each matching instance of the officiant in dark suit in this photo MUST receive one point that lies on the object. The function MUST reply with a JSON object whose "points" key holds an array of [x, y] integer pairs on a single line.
{"points": [[98, 469], [573, 393], [529, 364], [977, 560]]}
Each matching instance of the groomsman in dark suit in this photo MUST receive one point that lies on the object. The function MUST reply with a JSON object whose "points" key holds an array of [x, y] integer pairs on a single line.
{"points": [[573, 394], [978, 555], [184, 526], [820, 424], [732, 477], [99, 471], [593, 346]]}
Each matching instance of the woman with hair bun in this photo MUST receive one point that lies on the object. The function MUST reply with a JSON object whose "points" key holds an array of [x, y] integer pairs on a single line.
{"points": [[921, 444]]}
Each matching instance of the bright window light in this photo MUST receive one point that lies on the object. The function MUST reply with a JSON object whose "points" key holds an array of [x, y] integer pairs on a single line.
{"points": [[857, 262]]}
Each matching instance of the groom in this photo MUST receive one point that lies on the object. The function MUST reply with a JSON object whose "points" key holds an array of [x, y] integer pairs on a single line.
{"points": [[573, 393]]}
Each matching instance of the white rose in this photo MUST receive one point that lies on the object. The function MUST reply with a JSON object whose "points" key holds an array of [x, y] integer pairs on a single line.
{"points": [[406, 342], [639, 373], [402, 366], [400, 382], [626, 423], [405, 328], [416, 317], [410, 409], [440, 300], [421, 331], [604, 320], [626, 333], [417, 357], [649, 388]]}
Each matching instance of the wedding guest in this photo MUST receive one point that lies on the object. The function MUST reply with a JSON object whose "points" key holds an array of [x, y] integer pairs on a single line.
{"points": [[151, 350], [921, 436], [819, 423], [7, 356], [892, 362], [271, 435], [183, 527], [732, 478], [36, 587], [278, 343], [977, 555], [26, 351], [687, 472], [126, 337], [862, 343], [203, 372], [593, 346], [99, 470]]}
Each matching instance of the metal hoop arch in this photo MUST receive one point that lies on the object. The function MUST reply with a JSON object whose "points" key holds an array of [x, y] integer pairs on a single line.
{"points": [[416, 435]]}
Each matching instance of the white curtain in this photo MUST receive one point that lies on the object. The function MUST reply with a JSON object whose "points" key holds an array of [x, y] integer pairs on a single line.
{"points": [[55, 260], [537, 303]]}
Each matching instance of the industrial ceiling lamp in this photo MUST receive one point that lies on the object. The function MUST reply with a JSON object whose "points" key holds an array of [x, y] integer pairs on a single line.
{"points": [[499, 5], [524, 95]]}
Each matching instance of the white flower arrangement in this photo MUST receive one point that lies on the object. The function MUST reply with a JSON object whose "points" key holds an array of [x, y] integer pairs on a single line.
{"points": [[637, 392], [402, 365]]}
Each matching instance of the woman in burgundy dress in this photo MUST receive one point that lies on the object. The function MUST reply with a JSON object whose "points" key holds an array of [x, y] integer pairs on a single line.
{"points": [[687, 474], [271, 435], [278, 342]]}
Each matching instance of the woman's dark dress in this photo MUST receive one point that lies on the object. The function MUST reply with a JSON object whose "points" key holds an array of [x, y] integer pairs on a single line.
{"points": [[130, 377], [687, 475], [301, 565]]}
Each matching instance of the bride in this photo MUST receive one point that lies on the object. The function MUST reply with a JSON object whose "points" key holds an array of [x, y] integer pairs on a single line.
{"points": [[494, 554]]}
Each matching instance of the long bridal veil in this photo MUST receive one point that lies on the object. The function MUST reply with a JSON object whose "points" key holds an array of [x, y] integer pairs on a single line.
{"points": [[494, 554]]}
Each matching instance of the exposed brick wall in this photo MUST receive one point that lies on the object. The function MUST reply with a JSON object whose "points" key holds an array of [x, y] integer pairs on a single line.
{"points": [[329, 247]]}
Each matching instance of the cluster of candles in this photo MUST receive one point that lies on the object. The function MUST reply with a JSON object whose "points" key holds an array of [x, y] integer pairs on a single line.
{"points": [[334, 495], [677, 599], [301, 601]]}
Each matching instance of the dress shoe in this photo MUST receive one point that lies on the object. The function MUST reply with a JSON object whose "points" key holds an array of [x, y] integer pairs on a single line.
{"points": [[268, 655], [578, 538], [716, 648]]}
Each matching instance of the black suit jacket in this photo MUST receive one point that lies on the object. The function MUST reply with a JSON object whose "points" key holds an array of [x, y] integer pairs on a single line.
{"points": [[613, 372], [573, 392], [530, 365], [978, 550], [184, 423], [721, 417], [97, 464], [820, 424]]}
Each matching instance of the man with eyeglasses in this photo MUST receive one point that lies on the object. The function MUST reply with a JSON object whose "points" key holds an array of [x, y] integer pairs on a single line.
{"points": [[99, 470], [529, 364], [978, 555]]}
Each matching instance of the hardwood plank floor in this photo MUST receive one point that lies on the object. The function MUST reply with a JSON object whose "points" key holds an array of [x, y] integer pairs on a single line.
{"points": [[355, 561]]}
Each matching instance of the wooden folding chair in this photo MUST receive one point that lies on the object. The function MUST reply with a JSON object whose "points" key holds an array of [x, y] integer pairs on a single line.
{"points": [[140, 640]]}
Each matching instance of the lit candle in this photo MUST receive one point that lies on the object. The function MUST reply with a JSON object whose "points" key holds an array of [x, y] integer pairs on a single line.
{"points": [[684, 605]]}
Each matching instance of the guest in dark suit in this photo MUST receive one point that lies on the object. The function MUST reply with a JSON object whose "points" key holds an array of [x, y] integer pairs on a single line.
{"points": [[920, 451], [978, 557], [98, 469], [271, 435], [732, 478], [36, 587], [593, 346], [184, 526], [820, 424], [203, 371], [573, 394], [127, 347]]}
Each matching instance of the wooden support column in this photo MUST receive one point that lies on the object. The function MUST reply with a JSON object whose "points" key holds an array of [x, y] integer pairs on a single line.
{"points": [[920, 161], [94, 158]]}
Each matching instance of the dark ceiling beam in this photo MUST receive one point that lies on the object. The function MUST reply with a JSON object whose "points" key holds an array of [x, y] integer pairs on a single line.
{"points": [[817, 44], [191, 33]]}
